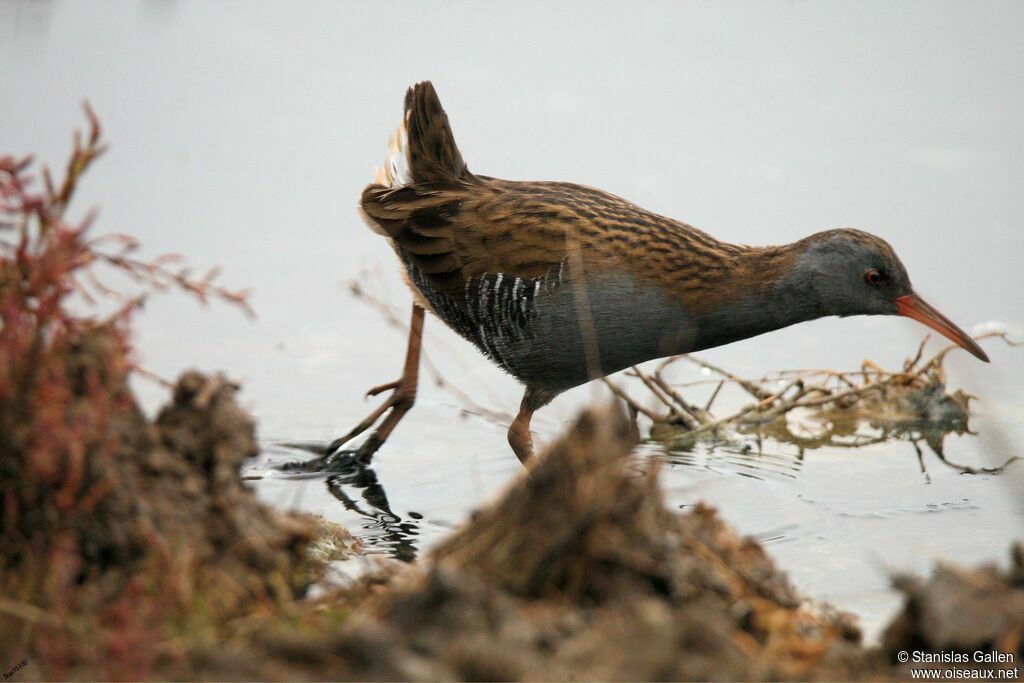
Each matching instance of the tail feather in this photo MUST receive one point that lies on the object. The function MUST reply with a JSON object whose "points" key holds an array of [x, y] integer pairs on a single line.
{"points": [[423, 149], [416, 200]]}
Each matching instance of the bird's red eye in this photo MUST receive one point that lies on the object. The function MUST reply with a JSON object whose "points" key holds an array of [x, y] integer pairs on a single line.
{"points": [[873, 277]]}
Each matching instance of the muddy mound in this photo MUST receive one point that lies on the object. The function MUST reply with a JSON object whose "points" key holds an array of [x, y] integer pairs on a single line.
{"points": [[130, 488], [119, 532], [962, 611], [202, 438]]}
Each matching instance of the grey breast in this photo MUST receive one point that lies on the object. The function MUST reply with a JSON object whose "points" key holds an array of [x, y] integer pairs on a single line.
{"points": [[555, 332]]}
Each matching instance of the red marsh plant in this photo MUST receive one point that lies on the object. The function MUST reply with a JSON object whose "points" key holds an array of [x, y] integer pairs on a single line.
{"points": [[66, 410]]}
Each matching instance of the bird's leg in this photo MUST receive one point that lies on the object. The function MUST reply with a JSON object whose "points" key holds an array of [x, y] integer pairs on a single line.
{"points": [[519, 437], [397, 404]]}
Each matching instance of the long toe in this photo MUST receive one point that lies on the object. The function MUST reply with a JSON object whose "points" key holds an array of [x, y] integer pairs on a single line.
{"points": [[373, 391]]}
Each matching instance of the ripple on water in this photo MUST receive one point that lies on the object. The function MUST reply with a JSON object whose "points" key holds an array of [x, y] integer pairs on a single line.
{"points": [[747, 460], [364, 506]]}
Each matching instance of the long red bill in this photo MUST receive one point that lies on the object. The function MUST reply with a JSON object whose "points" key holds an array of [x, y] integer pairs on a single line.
{"points": [[913, 306]]}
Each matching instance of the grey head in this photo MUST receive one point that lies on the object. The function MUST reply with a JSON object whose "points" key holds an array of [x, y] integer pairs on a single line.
{"points": [[851, 272], [847, 272]]}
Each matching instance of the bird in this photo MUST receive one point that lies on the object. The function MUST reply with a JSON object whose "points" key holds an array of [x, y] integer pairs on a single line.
{"points": [[559, 283]]}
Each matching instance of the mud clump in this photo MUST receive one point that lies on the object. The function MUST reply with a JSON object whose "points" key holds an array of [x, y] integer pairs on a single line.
{"points": [[203, 437], [963, 611], [130, 530], [173, 482]]}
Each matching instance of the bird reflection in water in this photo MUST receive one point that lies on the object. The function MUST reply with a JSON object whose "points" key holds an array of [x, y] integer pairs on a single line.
{"points": [[357, 487]]}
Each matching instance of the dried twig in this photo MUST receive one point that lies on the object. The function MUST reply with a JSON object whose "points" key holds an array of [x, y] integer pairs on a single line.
{"points": [[819, 389], [631, 402]]}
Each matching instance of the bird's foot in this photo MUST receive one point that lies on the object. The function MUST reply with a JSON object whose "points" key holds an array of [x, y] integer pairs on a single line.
{"points": [[394, 407], [338, 460], [381, 388]]}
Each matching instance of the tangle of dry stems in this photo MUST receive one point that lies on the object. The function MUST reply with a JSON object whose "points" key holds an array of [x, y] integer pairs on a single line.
{"points": [[808, 388]]}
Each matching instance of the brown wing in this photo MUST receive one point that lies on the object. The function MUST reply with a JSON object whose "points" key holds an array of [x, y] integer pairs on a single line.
{"points": [[457, 231]]}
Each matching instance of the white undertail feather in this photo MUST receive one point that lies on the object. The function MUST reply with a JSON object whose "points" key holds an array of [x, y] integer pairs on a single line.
{"points": [[395, 172]]}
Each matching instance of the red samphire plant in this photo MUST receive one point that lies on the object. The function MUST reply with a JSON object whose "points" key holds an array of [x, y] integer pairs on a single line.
{"points": [[62, 371]]}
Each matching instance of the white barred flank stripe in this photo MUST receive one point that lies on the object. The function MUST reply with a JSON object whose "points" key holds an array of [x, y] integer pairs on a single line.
{"points": [[496, 312]]}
